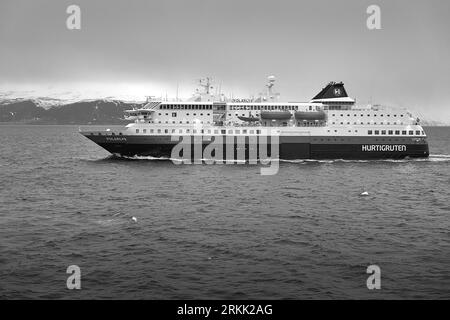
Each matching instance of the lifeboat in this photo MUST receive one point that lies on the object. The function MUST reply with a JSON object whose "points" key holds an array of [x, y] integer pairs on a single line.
{"points": [[248, 119], [310, 115], [276, 115], [135, 114]]}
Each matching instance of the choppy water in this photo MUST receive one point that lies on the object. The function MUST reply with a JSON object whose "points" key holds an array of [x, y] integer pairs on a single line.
{"points": [[220, 231]]}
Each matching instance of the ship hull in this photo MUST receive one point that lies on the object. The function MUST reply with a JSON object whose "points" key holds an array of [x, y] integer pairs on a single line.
{"points": [[287, 148]]}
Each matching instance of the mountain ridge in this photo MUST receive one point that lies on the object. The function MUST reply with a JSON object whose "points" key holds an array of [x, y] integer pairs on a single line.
{"points": [[101, 111], [85, 111]]}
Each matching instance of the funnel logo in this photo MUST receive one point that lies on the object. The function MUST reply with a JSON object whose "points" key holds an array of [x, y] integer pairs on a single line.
{"points": [[337, 92]]}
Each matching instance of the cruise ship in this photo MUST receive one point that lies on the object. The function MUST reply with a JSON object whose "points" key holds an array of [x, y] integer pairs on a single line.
{"points": [[330, 126]]}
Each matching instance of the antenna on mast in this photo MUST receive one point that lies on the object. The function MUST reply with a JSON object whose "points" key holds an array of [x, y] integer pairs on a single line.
{"points": [[271, 95], [206, 84]]}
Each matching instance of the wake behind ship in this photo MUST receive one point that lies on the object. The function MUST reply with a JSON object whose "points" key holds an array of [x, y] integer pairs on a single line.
{"points": [[330, 126]]}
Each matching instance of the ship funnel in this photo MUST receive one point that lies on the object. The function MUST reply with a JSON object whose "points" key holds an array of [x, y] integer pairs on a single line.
{"points": [[333, 91]]}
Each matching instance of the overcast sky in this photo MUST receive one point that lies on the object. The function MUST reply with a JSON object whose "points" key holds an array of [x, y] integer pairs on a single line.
{"points": [[147, 47]]}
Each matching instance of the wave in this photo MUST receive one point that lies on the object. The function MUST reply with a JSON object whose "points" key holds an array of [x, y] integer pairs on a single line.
{"points": [[440, 155], [431, 158]]}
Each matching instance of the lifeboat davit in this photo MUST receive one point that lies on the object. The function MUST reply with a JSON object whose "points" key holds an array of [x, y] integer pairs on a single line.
{"points": [[310, 115], [276, 115]]}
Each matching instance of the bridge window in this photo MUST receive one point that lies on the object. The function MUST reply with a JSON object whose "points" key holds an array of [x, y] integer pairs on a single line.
{"points": [[397, 132], [377, 132], [369, 132], [411, 132], [159, 130], [404, 132], [391, 132], [137, 130], [383, 131], [144, 130]]}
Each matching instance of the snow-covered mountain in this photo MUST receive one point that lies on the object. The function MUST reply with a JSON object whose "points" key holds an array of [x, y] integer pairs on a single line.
{"points": [[102, 111]]}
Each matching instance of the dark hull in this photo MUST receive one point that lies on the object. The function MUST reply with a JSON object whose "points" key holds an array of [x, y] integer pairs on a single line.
{"points": [[290, 148]]}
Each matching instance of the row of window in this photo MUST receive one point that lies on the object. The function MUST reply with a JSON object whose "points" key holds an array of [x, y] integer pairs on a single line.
{"points": [[174, 114], [209, 107], [262, 107], [186, 107], [350, 139], [369, 115], [187, 122], [201, 131], [395, 123], [396, 132]]}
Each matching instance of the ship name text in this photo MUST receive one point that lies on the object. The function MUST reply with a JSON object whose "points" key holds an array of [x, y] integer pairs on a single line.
{"points": [[384, 147]]}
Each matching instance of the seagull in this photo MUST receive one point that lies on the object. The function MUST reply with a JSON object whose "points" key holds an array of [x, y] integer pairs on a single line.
{"points": [[364, 193], [134, 219]]}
